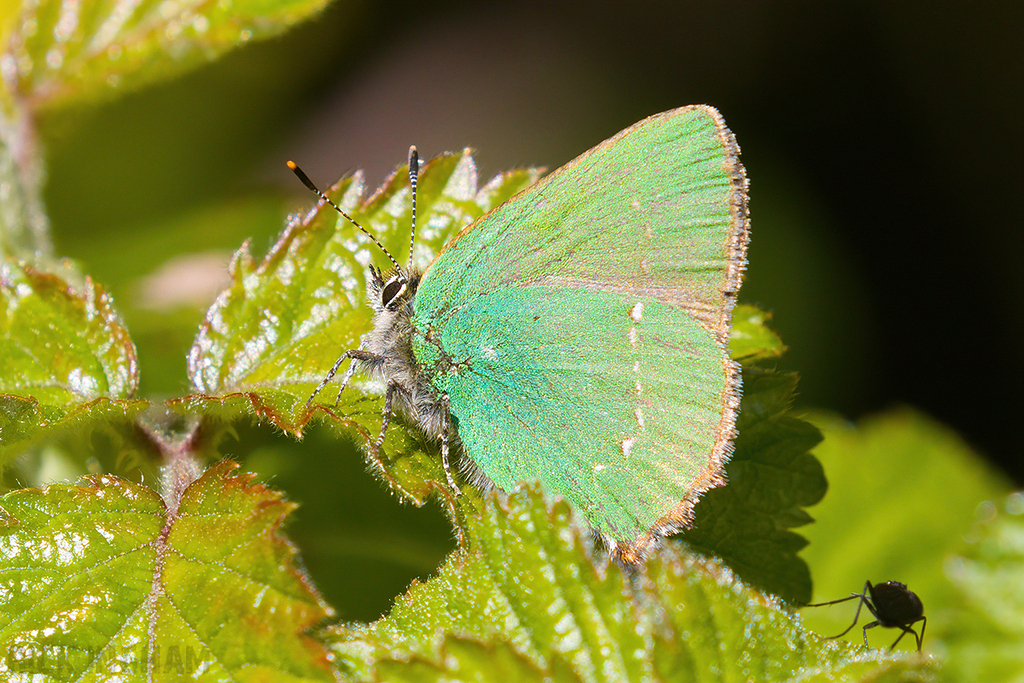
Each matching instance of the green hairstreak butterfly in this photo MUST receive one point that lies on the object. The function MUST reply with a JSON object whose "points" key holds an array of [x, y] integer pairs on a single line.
{"points": [[577, 334]]}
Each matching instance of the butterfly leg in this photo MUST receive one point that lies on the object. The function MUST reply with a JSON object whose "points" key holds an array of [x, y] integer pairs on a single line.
{"points": [[346, 377], [385, 418], [445, 426], [356, 354]]}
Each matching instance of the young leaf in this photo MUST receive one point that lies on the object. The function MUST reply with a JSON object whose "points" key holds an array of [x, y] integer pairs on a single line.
{"points": [[771, 477], [528, 593], [277, 330], [107, 579], [65, 356], [64, 50], [751, 339]]}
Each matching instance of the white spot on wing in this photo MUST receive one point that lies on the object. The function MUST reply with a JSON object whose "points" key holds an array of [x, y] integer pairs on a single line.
{"points": [[632, 337], [639, 414], [627, 446], [637, 312]]}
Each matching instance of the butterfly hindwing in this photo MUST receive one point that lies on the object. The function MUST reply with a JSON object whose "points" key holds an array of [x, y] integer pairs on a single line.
{"points": [[595, 396]]}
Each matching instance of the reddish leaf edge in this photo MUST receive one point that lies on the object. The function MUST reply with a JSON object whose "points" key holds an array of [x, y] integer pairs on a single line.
{"points": [[25, 409], [226, 407]]}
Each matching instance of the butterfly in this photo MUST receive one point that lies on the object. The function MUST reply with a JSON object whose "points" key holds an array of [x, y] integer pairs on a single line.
{"points": [[577, 334]]}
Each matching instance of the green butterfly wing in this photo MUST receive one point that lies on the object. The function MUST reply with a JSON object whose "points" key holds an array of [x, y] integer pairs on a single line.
{"points": [[579, 330]]}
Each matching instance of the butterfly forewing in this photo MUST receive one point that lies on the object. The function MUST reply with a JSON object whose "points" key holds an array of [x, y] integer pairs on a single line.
{"points": [[658, 209]]}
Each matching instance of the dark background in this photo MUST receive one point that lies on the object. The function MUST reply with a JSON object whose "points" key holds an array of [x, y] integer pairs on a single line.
{"points": [[883, 142]]}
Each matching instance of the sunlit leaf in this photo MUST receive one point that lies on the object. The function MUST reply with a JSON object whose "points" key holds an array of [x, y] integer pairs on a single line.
{"points": [[986, 630], [106, 578], [751, 339], [280, 326], [64, 50], [64, 355], [529, 593]]}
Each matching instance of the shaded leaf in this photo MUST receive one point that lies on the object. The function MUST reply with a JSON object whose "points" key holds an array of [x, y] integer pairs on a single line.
{"points": [[529, 592], [65, 356], [106, 578], [771, 477], [64, 50], [751, 339]]}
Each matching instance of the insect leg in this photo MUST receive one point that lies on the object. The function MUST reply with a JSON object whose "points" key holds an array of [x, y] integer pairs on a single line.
{"points": [[445, 427], [906, 629], [863, 600], [385, 418], [872, 625], [348, 373], [356, 354]]}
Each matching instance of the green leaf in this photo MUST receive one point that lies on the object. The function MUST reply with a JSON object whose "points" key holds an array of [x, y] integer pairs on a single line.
{"points": [[771, 477], [65, 356], [904, 491], [528, 593], [65, 50], [106, 578], [985, 634], [277, 330], [751, 339], [469, 659]]}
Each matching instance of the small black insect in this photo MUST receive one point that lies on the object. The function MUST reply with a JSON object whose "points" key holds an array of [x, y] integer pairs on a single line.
{"points": [[893, 606]]}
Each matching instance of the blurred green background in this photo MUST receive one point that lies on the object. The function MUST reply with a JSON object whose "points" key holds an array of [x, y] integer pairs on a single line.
{"points": [[884, 143]]}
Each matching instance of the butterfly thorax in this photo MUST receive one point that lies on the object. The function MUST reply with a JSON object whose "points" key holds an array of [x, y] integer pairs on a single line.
{"points": [[391, 296]]}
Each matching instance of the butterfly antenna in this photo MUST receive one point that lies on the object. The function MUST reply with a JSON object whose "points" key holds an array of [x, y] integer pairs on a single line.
{"points": [[309, 183], [414, 172]]}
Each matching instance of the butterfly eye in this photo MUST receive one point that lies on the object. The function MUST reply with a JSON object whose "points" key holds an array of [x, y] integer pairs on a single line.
{"points": [[392, 291]]}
